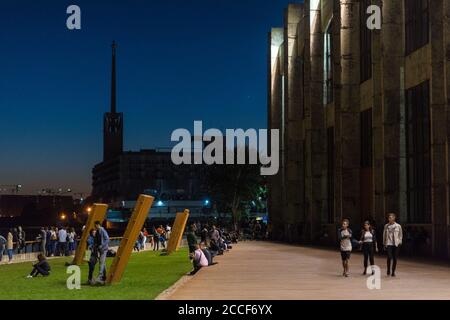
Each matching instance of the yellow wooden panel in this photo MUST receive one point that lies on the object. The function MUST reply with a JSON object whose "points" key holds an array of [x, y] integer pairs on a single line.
{"points": [[177, 231], [98, 213], [137, 220]]}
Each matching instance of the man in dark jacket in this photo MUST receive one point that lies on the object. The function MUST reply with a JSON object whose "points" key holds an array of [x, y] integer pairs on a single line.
{"points": [[191, 238]]}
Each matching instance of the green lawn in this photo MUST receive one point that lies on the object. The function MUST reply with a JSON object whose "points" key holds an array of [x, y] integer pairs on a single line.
{"points": [[147, 275]]}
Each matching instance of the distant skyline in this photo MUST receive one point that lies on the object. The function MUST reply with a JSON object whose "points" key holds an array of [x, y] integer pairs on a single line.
{"points": [[177, 61]]}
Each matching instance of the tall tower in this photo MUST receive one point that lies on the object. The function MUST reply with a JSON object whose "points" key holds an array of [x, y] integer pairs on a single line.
{"points": [[113, 120]]}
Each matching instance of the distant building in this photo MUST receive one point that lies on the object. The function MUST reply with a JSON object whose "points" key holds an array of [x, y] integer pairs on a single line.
{"points": [[363, 116], [122, 176], [34, 208]]}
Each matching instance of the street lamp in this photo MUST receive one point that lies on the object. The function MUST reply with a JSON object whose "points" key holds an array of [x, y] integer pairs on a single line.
{"points": [[63, 216]]}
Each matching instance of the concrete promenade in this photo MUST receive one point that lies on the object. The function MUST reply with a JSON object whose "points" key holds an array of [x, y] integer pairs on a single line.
{"points": [[262, 270]]}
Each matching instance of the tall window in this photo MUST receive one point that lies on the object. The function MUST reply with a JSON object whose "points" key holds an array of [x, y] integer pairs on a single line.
{"points": [[330, 173], [302, 89], [365, 42], [418, 153], [328, 65], [366, 139], [417, 24]]}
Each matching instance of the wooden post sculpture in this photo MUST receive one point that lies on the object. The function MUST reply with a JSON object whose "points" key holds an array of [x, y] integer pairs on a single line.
{"points": [[98, 213], [177, 231], [137, 220]]}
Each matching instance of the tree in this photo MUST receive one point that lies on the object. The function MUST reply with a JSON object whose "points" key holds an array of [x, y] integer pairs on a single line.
{"points": [[233, 186]]}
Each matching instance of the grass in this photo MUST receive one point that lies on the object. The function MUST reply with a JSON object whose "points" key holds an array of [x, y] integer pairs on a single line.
{"points": [[146, 276]]}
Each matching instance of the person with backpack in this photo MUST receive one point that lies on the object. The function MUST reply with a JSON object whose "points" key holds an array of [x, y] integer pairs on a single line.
{"points": [[345, 243]]}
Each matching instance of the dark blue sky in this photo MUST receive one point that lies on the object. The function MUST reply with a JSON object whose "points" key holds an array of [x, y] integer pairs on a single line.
{"points": [[178, 61]]}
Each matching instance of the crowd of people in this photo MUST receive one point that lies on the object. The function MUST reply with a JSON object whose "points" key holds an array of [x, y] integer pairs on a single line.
{"points": [[213, 241], [367, 242], [156, 239], [52, 241]]}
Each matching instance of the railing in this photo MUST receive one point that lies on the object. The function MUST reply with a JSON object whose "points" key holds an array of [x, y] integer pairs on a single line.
{"points": [[35, 246]]}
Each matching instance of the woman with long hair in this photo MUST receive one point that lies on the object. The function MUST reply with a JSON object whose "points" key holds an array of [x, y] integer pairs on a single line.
{"points": [[369, 245]]}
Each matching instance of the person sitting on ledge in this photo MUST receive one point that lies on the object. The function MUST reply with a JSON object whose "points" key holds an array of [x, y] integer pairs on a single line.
{"points": [[207, 253], [40, 267], [199, 260]]}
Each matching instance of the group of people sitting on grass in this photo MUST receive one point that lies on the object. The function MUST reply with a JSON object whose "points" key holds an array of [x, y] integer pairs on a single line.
{"points": [[213, 242]]}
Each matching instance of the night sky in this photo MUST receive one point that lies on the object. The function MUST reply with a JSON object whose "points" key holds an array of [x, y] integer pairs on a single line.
{"points": [[178, 61]]}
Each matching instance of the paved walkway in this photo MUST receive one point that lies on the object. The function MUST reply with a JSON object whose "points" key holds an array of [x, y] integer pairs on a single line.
{"points": [[261, 270]]}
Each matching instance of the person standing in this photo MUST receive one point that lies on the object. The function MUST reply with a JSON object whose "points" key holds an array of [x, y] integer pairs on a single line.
{"points": [[162, 236], [144, 239], [93, 243], [392, 240], [62, 241], [369, 245], [155, 239], [102, 250], [3, 243], [48, 241], [168, 232], [345, 241], [71, 236], [21, 244], [53, 241], [10, 245], [43, 237], [191, 239], [15, 235]]}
